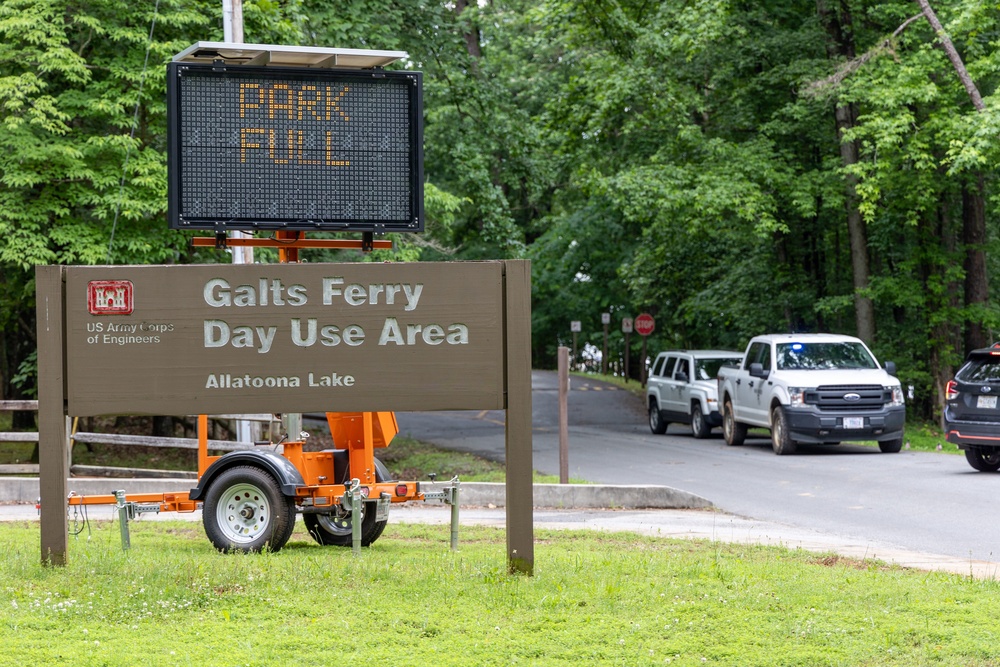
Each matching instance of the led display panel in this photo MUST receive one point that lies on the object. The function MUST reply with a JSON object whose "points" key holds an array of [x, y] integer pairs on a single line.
{"points": [[297, 149]]}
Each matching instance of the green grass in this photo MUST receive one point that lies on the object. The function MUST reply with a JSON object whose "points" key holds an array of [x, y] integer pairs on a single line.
{"points": [[596, 599], [631, 386], [407, 458]]}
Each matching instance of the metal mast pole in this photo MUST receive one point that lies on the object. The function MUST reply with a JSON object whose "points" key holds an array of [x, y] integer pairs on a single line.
{"points": [[232, 27]]}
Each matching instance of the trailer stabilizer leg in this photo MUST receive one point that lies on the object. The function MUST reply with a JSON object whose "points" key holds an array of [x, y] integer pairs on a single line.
{"points": [[453, 501], [122, 505], [128, 510], [353, 501]]}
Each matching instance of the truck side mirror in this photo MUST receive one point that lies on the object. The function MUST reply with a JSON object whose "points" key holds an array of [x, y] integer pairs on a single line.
{"points": [[757, 371], [890, 368], [681, 376]]}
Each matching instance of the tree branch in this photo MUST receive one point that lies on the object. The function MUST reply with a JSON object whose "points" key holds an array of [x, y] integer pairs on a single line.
{"points": [[817, 88], [956, 60]]}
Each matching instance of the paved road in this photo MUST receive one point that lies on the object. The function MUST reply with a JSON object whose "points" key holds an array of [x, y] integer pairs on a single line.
{"points": [[926, 502]]}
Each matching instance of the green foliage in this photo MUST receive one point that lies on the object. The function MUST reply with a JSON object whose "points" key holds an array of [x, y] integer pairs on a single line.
{"points": [[680, 158]]}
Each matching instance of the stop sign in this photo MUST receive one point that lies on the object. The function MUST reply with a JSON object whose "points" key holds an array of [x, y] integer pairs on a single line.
{"points": [[644, 324]]}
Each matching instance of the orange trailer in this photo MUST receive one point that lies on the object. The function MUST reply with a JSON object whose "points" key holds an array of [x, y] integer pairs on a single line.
{"points": [[250, 498]]}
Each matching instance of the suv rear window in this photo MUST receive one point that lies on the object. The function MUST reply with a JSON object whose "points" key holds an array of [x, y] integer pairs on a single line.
{"points": [[980, 369], [708, 369]]}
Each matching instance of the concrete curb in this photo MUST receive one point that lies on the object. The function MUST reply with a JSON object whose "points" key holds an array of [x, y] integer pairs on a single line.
{"points": [[478, 494], [574, 496]]}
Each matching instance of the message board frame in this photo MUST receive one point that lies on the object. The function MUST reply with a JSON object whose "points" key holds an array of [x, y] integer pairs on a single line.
{"points": [[281, 158]]}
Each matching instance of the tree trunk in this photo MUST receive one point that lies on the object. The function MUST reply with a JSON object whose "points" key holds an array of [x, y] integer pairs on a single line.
{"points": [[472, 34], [976, 278], [163, 427], [840, 46], [973, 203]]}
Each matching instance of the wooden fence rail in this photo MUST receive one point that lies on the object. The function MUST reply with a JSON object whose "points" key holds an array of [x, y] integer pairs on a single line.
{"points": [[117, 439]]}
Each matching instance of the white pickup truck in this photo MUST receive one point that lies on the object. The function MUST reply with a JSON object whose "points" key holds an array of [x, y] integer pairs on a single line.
{"points": [[682, 388], [812, 388]]}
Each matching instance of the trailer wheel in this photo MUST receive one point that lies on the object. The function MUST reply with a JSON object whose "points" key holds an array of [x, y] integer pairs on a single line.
{"points": [[335, 530], [245, 511]]}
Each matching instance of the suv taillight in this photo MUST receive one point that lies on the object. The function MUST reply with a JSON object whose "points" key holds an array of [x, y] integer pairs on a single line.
{"points": [[951, 390]]}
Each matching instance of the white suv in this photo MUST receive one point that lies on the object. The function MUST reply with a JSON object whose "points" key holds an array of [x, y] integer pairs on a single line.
{"points": [[683, 388]]}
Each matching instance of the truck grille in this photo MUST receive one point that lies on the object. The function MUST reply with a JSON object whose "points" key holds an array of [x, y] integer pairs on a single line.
{"points": [[848, 397]]}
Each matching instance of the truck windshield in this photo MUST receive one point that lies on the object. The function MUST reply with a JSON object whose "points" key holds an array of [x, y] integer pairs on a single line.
{"points": [[823, 356], [708, 369]]}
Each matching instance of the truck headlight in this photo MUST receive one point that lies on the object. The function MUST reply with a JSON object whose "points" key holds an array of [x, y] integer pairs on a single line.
{"points": [[796, 397], [897, 396]]}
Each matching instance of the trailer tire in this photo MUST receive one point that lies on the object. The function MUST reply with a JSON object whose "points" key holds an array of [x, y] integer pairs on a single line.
{"points": [[329, 530], [245, 511], [333, 530]]}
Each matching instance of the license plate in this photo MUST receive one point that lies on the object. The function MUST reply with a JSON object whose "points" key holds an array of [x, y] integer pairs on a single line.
{"points": [[854, 422], [988, 402], [382, 509]]}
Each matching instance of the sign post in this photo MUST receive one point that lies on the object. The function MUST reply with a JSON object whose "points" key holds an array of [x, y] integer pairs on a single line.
{"points": [[575, 327], [605, 321], [627, 330], [644, 325], [563, 364]]}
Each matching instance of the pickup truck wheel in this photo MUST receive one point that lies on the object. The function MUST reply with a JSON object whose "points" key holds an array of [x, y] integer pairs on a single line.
{"points": [[699, 427], [890, 446], [781, 441], [656, 423], [732, 431], [245, 511], [983, 459]]}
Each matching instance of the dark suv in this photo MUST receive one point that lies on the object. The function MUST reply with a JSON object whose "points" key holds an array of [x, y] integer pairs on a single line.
{"points": [[972, 409]]}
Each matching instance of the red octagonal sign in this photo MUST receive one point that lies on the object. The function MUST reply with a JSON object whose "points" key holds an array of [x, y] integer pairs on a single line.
{"points": [[644, 324]]}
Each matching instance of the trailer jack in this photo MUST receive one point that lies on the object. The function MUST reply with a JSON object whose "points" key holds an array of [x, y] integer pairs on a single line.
{"points": [[128, 510]]}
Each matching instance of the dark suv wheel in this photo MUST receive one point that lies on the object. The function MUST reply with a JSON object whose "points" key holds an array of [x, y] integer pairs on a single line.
{"points": [[983, 459]]}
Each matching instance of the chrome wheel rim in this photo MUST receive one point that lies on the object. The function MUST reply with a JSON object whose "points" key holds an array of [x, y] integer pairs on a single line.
{"points": [[243, 513]]}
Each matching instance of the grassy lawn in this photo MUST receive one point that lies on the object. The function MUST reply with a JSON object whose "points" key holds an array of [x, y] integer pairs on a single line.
{"points": [[596, 599]]}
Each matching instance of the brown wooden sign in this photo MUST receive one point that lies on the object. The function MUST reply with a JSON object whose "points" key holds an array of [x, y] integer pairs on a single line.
{"points": [[284, 338], [167, 340]]}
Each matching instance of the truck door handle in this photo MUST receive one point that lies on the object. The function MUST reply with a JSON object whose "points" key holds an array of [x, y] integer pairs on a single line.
{"points": [[737, 381], [751, 383]]}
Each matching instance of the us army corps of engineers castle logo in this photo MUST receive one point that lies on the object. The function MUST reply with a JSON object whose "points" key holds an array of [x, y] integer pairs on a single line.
{"points": [[109, 297]]}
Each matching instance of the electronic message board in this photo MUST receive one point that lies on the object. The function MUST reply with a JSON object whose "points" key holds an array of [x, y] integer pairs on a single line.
{"points": [[296, 149]]}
